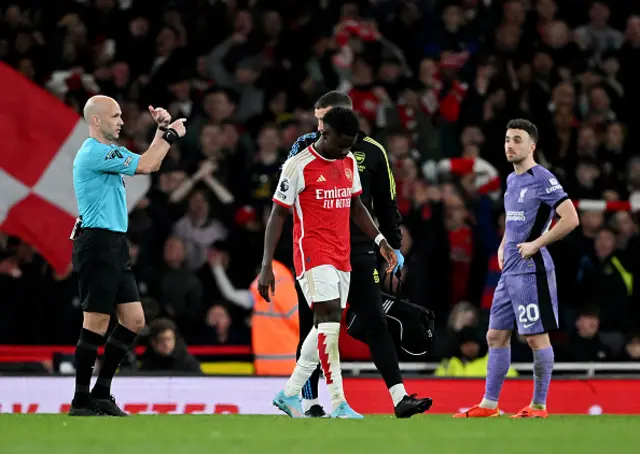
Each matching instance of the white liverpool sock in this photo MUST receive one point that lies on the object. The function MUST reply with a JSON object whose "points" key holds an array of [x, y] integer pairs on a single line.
{"points": [[305, 366], [330, 361], [397, 393], [487, 403]]}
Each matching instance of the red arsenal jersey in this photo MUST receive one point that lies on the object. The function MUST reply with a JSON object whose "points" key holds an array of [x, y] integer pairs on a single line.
{"points": [[320, 192]]}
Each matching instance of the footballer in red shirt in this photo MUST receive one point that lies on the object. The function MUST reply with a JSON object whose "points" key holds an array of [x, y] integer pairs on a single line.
{"points": [[322, 185]]}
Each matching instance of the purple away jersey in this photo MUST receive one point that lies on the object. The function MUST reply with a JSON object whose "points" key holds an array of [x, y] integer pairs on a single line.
{"points": [[526, 293], [529, 203]]}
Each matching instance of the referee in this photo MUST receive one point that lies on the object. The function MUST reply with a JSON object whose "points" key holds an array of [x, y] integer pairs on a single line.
{"points": [[365, 298], [100, 251]]}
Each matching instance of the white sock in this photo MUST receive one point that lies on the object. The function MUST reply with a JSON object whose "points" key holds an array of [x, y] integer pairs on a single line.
{"points": [[538, 406], [397, 393], [308, 403], [486, 403], [330, 360], [305, 366]]}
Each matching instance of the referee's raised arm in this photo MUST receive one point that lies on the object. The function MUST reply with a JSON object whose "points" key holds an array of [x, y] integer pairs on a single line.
{"points": [[104, 118], [107, 285], [151, 159]]}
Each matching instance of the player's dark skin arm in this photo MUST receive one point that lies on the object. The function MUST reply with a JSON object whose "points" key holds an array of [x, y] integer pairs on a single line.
{"points": [[361, 217], [272, 234], [328, 311]]}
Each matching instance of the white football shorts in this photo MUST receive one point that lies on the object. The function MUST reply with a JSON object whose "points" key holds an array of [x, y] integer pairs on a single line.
{"points": [[325, 283]]}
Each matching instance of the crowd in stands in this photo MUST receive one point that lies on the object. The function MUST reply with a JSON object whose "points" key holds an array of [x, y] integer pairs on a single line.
{"points": [[433, 81]]}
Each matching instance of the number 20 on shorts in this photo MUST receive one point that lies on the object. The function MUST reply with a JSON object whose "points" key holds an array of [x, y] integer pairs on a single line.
{"points": [[528, 313]]}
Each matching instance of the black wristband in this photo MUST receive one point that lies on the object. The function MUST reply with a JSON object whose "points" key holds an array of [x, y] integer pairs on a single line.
{"points": [[170, 136]]}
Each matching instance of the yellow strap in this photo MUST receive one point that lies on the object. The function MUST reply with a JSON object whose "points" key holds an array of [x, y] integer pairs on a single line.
{"points": [[392, 181], [627, 277]]}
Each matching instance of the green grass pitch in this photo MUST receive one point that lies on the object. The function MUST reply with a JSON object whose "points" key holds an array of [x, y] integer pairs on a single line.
{"points": [[225, 434]]}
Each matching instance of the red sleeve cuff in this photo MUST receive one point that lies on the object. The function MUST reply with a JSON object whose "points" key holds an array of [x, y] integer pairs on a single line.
{"points": [[356, 194], [281, 203]]}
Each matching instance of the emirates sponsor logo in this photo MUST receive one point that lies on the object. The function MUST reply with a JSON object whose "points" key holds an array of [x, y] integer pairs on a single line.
{"points": [[335, 193], [334, 198]]}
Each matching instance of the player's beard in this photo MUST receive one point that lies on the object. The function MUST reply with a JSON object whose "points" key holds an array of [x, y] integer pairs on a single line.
{"points": [[516, 160]]}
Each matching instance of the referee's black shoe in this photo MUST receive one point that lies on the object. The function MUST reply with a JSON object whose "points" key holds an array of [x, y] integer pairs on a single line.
{"points": [[315, 411], [410, 405], [108, 406]]}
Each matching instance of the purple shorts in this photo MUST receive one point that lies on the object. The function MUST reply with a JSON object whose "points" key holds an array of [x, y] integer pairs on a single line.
{"points": [[530, 300]]}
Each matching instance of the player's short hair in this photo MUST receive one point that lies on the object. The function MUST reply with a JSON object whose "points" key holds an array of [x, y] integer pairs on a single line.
{"points": [[343, 121], [333, 98], [525, 125]]}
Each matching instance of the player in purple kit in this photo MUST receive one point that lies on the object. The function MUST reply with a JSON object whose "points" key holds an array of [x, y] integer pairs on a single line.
{"points": [[526, 293]]}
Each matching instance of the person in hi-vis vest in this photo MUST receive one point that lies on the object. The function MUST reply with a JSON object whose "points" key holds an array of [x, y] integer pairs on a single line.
{"points": [[275, 325]]}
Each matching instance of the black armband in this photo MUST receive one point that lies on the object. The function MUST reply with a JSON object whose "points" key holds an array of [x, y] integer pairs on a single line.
{"points": [[170, 135]]}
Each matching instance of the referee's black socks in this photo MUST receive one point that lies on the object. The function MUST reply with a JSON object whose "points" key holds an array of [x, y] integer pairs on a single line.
{"points": [[118, 344], [86, 354]]}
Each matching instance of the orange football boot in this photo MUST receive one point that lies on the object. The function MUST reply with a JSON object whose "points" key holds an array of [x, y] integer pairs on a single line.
{"points": [[528, 412], [478, 412]]}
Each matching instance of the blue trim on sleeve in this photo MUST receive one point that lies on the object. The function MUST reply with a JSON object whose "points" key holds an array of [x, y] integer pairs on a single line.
{"points": [[300, 143]]}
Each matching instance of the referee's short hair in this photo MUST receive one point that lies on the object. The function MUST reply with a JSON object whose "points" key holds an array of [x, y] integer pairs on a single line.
{"points": [[525, 125], [343, 121], [334, 98]]}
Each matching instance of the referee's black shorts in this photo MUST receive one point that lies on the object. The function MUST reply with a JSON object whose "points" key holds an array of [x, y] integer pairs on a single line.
{"points": [[101, 261]]}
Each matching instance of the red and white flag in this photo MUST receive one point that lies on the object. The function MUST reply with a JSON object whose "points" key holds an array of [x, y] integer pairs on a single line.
{"points": [[40, 137]]}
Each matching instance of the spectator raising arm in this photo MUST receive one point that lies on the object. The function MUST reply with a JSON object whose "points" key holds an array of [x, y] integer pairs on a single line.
{"points": [[203, 174], [206, 167], [220, 191], [241, 298]]}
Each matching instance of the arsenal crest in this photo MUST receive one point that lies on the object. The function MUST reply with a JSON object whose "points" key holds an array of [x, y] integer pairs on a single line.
{"points": [[349, 174]]}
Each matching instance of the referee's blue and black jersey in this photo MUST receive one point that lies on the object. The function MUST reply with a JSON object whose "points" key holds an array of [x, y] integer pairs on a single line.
{"points": [[99, 186], [378, 189]]}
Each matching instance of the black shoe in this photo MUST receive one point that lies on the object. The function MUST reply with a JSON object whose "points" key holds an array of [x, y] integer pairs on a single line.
{"points": [[85, 410], [315, 411], [107, 406], [410, 405]]}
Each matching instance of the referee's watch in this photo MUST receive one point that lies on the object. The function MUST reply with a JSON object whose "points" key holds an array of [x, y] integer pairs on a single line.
{"points": [[170, 135]]}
